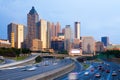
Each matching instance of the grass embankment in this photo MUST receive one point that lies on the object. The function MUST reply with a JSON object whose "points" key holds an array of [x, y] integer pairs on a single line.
{"points": [[20, 58], [97, 60], [1, 61], [101, 56], [116, 60]]}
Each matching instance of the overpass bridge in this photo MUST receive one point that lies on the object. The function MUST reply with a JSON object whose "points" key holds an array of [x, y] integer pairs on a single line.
{"points": [[60, 55]]}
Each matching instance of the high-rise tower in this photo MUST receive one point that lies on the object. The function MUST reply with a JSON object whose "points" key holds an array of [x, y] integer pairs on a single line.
{"points": [[105, 40], [77, 30], [15, 34], [68, 37], [57, 29], [32, 19], [42, 27]]}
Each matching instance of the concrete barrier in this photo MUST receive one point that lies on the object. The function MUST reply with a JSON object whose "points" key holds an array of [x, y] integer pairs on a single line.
{"points": [[50, 75]]}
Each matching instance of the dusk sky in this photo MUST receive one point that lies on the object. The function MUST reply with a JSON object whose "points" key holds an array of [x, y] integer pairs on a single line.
{"points": [[98, 17]]}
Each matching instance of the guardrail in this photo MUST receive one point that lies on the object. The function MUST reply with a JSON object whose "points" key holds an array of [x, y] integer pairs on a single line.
{"points": [[18, 62], [50, 75]]}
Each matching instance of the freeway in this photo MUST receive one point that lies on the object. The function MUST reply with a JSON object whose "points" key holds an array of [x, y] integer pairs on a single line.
{"points": [[78, 68], [19, 74], [94, 70]]}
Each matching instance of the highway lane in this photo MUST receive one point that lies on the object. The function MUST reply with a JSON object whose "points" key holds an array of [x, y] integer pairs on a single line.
{"points": [[18, 74], [78, 68], [104, 75]]}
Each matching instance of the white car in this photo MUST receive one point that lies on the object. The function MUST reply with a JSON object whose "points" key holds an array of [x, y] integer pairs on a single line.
{"points": [[114, 73], [32, 68], [86, 73], [46, 63], [25, 68], [55, 63], [73, 76], [97, 75]]}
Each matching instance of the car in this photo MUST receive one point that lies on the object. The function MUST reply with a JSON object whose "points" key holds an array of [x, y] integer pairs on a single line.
{"points": [[25, 68], [92, 69], [107, 71], [114, 73], [102, 69], [46, 63], [33, 68], [86, 73], [55, 63], [73, 76], [119, 70], [108, 64], [97, 75], [37, 65]]}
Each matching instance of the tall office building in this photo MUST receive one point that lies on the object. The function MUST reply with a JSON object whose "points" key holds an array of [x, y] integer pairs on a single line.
{"points": [[67, 37], [57, 44], [53, 30], [49, 34], [99, 47], [105, 40], [77, 30], [20, 35], [63, 30], [32, 19], [42, 27], [12, 39], [15, 34], [88, 44], [57, 29], [11, 31]]}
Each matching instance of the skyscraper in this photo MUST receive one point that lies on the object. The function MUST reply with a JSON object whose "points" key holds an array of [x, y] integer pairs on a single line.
{"points": [[57, 29], [32, 19], [49, 34], [20, 35], [42, 27], [88, 44], [99, 47], [15, 34], [77, 30], [63, 30], [53, 30], [105, 40], [67, 37], [11, 31]]}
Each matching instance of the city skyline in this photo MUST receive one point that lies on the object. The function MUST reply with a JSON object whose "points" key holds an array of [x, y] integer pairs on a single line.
{"points": [[95, 21]]}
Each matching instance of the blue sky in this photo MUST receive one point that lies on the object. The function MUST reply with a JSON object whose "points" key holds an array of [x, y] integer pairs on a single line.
{"points": [[98, 17]]}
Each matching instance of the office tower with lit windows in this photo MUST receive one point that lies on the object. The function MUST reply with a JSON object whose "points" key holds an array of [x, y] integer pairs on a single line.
{"points": [[42, 34], [16, 34], [32, 19], [77, 30]]}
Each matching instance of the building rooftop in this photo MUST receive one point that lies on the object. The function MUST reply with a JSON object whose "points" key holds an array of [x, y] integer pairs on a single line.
{"points": [[33, 11]]}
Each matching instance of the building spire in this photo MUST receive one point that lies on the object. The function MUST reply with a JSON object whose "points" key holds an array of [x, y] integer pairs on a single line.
{"points": [[33, 11]]}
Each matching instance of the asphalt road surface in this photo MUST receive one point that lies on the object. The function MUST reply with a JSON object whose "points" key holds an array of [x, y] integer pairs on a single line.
{"points": [[19, 74], [94, 69]]}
